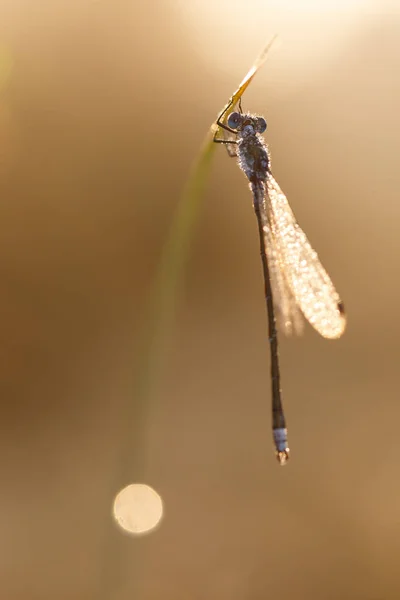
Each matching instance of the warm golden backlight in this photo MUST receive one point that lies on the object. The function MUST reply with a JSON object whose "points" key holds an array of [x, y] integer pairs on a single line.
{"points": [[137, 508], [227, 32]]}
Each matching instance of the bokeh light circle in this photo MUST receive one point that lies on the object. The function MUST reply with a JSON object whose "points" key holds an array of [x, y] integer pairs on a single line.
{"points": [[138, 509]]}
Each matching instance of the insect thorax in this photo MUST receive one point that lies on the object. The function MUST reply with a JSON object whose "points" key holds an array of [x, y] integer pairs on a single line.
{"points": [[253, 157]]}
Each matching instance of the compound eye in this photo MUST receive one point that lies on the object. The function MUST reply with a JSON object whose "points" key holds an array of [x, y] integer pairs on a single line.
{"points": [[261, 125], [234, 120]]}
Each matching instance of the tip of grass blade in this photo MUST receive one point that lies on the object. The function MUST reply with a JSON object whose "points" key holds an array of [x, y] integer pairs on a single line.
{"points": [[258, 63]]}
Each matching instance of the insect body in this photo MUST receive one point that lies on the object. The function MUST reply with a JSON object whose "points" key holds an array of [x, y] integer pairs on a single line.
{"points": [[295, 282]]}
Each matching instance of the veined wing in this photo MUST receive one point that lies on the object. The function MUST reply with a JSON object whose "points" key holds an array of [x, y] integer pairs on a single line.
{"points": [[288, 315], [310, 285]]}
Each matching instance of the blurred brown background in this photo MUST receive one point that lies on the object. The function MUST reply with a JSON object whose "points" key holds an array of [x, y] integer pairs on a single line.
{"points": [[101, 114]]}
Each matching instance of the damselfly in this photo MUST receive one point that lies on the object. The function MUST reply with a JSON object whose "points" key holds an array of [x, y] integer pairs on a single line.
{"points": [[295, 282]]}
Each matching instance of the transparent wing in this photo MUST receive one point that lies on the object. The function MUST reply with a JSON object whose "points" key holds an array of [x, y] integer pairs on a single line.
{"points": [[288, 315], [309, 284]]}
